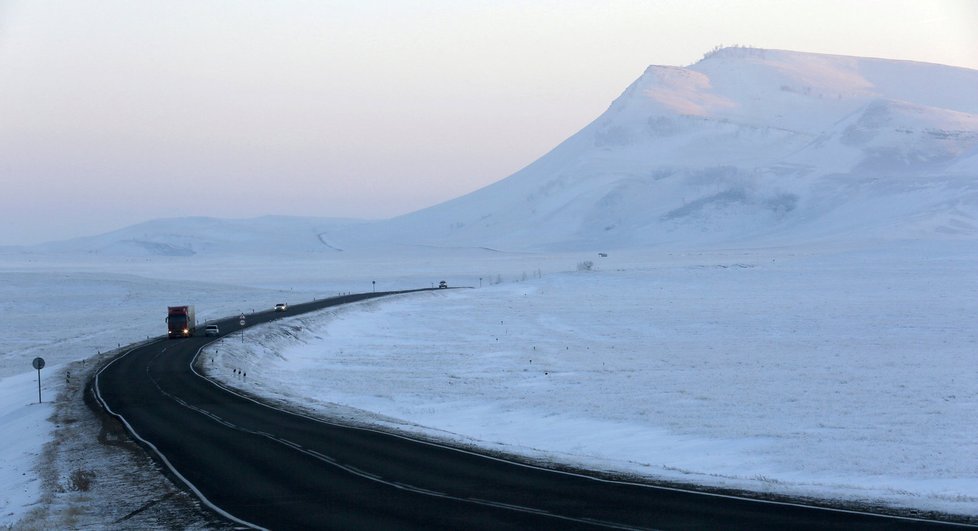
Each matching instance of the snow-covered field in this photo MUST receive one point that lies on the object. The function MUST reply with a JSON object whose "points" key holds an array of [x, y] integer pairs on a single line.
{"points": [[71, 310], [842, 372], [848, 375]]}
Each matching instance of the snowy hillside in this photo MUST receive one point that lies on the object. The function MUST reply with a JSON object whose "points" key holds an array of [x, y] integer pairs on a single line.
{"points": [[207, 236], [745, 144], [745, 147]]}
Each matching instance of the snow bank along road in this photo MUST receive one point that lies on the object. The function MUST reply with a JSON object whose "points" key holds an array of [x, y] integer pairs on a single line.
{"points": [[268, 468]]}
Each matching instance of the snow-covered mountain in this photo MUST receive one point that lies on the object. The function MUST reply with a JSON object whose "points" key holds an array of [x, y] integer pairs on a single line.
{"points": [[747, 144]]}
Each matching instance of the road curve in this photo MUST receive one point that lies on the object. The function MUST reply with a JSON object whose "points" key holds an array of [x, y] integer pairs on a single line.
{"points": [[266, 468]]}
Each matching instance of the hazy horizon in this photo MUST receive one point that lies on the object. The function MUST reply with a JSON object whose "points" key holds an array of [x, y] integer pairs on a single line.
{"points": [[113, 113]]}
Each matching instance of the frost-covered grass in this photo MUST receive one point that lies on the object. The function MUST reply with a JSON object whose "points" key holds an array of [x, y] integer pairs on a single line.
{"points": [[848, 375]]}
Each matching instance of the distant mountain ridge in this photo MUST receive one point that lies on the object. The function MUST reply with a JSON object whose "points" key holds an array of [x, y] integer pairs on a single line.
{"points": [[208, 236], [747, 146]]}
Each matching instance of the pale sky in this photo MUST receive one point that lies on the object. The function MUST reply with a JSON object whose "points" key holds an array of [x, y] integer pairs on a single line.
{"points": [[114, 112]]}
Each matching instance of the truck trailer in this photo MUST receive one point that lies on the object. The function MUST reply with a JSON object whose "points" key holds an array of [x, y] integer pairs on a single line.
{"points": [[180, 321]]}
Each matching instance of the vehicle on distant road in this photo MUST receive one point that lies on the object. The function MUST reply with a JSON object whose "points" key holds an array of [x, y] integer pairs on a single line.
{"points": [[442, 284], [281, 307], [180, 321], [212, 330]]}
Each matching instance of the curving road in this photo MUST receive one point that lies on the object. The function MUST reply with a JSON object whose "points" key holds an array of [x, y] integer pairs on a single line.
{"points": [[266, 468]]}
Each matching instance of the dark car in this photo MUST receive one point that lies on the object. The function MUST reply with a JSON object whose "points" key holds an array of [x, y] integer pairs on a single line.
{"points": [[442, 284]]}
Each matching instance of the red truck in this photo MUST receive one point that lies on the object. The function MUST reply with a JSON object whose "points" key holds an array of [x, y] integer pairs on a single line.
{"points": [[180, 321]]}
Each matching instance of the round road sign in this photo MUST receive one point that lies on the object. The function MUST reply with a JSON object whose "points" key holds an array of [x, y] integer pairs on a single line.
{"points": [[241, 322], [38, 363]]}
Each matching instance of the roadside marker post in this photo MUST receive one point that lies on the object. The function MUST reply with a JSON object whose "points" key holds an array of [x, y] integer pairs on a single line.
{"points": [[38, 364]]}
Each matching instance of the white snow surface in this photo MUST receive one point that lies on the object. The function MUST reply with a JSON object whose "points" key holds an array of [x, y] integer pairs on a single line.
{"points": [[787, 304], [846, 376], [842, 371], [25, 431]]}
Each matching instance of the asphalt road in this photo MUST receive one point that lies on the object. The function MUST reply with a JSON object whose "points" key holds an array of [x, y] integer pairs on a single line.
{"points": [[267, 468]]}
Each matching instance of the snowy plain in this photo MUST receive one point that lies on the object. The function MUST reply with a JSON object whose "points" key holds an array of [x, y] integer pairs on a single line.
{"points": [[71, 312], [74, 310], [841, 372], [827, 371], [848, 375]]}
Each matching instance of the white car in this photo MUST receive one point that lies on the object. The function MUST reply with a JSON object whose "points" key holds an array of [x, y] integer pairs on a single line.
{"points": [[281, 307], [212, 330]]}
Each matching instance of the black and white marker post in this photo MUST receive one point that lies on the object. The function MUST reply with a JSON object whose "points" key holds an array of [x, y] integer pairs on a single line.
{"points": [[38, 364]]}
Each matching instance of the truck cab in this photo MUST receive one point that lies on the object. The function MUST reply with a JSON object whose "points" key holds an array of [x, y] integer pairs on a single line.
{"points": [[180, 321]]}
